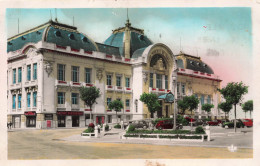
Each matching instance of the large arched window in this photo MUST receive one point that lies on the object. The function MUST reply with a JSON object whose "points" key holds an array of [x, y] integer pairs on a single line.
{"points": [[155, 58]]}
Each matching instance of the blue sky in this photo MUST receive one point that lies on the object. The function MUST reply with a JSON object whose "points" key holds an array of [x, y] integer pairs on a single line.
{"points": [[222, 37]]}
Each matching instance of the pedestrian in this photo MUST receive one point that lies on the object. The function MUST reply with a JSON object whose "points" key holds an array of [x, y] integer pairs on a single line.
{"points": [[11, 125], [99, 128], [8, 125]]}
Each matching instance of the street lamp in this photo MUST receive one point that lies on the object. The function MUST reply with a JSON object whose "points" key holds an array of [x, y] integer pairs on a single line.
{"points": [[174, 82]]}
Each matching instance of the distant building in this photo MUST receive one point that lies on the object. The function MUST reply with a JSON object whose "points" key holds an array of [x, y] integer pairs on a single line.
{"points": [[48, 64]]}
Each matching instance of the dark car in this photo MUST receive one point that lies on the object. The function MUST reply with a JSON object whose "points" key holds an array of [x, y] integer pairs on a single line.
{"points": [[141, 124], [167, 124], [231, 124], [199, 122]]}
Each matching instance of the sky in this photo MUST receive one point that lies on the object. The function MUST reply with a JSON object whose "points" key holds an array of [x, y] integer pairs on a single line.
{"points": [[222, 37]]}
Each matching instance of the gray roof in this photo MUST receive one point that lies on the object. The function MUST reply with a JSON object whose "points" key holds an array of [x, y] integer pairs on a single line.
{"points": [[111, 50]]}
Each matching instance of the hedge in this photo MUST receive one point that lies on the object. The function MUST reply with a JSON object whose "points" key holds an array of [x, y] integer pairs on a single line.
{"points": [[160, 132], [117, 126], [89, 130], [166, 136]]}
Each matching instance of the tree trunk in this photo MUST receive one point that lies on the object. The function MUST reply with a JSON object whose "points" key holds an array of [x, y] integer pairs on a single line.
{"points": [[225, 115], [151, 114], [235, 122], [245, 114], [90, 114], [116, 117], [250, 114]]}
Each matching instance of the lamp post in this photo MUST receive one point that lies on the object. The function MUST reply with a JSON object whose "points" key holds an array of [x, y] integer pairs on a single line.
{"points": [[174, 82], [170, 99]]}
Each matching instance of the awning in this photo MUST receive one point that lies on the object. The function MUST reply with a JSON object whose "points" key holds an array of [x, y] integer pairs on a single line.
{"points": [[169, 98], [162, 97]]}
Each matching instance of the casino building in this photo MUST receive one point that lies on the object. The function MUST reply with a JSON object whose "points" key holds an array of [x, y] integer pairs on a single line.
{"points": [[49, 63]]}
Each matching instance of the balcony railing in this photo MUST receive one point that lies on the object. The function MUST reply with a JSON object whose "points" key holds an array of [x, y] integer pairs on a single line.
{"points": [[61, 83], [109, 87], [128, 90], [119, 88]]}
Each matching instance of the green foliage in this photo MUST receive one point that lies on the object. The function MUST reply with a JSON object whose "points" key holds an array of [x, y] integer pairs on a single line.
{"points": [[130, 135], [148, 136], [188, 102], [207, 119], [160, 119], [199, 130], [106, 127], [89, 95], [117, 126], [189, 137], [131, 128], [116, 105], [89, 130], [225, 107], [169, 136], [181, 120], [207, 107], [248, 106], [151, 101], [159, 132], [183, 105], [233, 92]]}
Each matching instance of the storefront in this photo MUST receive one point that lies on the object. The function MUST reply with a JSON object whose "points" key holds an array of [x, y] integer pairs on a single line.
{"points": [[49, 120], [69, 118], [16, 120], [30, 118]]}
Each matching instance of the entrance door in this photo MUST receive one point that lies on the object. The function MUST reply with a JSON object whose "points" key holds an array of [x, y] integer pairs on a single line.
{"points": [[61, 121], [31, 121], [75, 121], [167, 111], [16, 121], [48, 123]]}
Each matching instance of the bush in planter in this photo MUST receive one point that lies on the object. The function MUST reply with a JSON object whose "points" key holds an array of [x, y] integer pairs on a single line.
{"points": [[117, 126], [106, 128], [91, 125], [199, 130], [89, 130], [131, 128]]}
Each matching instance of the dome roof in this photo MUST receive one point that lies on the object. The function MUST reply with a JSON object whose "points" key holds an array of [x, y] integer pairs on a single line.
{"points": [[186, 61], [53, 32], [123, 36]]}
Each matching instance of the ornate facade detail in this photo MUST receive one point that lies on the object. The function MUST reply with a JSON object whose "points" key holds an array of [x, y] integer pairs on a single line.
{"points": [[48, 66], [145, 76], [99, 74]]}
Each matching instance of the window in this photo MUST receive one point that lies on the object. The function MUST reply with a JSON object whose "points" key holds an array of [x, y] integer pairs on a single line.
{"points": [[14, 102], [34, 99], [28, 100], [109, 80], [127, 102], [151, 80], [88, 75], [19, 101], [159, 81], [28, 72], [127, 82], [202, 99], [61, 72], [75, 74], [183, 89], [19, 74], [74, 98], [166, 82], [35, 71], [118, 80], [209, 100], [178, 88], [61, 98], [14, 76], [108, 101]]}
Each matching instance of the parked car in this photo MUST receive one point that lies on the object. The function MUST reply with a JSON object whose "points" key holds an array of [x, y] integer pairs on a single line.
{"points": [[141, 124], [167, 124], [224, 121], [231, 124], [199, 122], [214, 122], [247, 122], [190, 119]]}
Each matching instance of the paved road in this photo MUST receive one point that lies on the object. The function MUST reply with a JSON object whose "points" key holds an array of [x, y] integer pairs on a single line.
{"points": [[59, 144]]}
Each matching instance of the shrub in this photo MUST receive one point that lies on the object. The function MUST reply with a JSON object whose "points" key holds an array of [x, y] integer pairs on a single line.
{"points": [[207, 119], [131, 128], [189, 137], [117, 126], [160, 119], [106, 127], [184, 122], [89, 130], [199, 130], [127, 135], [91, 125], [148, 136], [168, 136], [160, 132]]}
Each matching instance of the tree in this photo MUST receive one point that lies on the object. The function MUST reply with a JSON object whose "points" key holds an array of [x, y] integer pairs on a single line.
{"points": [[225, 107], [248, 106], [89, 95], [193, 102], [233, 93], [116, 105], [207, 107], [151, 101], [183, 105]]}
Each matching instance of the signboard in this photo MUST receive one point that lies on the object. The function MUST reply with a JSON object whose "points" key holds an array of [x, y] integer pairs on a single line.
{"points": [[70, 113], [48, 124], [48, 117], [30, 113]]}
